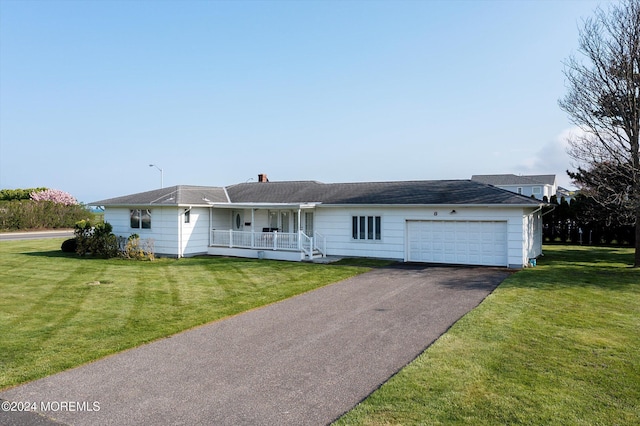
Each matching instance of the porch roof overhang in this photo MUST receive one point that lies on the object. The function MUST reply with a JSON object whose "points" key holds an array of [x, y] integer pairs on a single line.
{"points": [[273, 206]]}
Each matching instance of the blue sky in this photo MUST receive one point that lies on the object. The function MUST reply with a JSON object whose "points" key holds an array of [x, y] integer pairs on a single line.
{"points": [[215, 92]]}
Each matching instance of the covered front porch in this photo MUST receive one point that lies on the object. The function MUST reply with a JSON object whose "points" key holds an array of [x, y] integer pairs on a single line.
{"points": [[269, 231]]}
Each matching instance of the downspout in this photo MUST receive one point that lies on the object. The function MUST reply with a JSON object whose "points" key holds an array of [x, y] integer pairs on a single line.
{"points": [[546, 213], [541, 225]]}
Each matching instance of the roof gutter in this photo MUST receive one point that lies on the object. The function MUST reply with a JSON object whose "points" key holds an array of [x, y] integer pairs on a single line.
{"points": [[553, 207], [537, 206], [263, 205]]}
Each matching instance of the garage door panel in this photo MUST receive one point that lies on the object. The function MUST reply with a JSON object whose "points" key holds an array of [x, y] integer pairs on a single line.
{"points": [[459, 242]]}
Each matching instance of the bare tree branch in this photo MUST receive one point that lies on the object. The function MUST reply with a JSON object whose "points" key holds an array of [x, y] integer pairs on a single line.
{"points": [[603, 99]]}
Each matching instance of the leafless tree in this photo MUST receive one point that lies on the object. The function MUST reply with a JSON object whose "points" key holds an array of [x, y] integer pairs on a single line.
{"points": [[603, 99]]}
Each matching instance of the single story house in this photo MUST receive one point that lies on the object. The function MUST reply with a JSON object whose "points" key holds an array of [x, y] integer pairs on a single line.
{"points": [[444, 221], [539, 186]]}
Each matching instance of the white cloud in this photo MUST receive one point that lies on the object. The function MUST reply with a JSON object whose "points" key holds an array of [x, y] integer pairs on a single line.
{"points": [[551, 158]]}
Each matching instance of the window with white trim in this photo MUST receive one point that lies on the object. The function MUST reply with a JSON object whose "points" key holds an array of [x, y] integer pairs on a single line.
{"points": [[366, 228], [140, 218]]}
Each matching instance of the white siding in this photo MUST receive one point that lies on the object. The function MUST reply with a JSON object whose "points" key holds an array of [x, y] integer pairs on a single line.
{"points": [[164, 230], [164, 227], [335, 224], [523, 230], [532, 236], [120, 220], [195, 234], [220, 219]]}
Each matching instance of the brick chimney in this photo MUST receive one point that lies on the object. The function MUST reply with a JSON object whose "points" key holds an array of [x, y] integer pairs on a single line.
{"points": [[262, 177]]}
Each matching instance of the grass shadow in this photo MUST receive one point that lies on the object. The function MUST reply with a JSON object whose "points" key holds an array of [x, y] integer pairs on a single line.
{"points": [[587, 254], [580, 266], [60, 254], [51, 253]]}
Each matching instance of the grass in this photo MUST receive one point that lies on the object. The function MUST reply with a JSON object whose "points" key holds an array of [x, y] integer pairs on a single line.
{"points": [[58, 311], [557, 344]]}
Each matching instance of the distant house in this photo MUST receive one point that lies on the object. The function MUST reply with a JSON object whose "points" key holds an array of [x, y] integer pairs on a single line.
{"points": [[565, 193], [450, 221], [539, 186]]}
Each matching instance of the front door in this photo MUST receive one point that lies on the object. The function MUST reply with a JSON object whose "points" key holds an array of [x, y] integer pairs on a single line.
{"points": [[237, 219]]}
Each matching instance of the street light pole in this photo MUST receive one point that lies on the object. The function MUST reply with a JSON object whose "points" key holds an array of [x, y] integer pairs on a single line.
{"points": [[161, 175]]}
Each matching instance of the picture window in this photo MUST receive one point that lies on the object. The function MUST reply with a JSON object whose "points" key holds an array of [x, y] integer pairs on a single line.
{"points": [[366, 228]]}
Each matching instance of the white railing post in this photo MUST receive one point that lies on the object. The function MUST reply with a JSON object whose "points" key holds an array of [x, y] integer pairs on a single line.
{"points": [[253, 229], [324, 246], [275, 240], [230, 238]]}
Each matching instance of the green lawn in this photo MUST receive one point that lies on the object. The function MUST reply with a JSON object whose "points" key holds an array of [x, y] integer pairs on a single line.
{"points": [[558, 344], [54, 315]]}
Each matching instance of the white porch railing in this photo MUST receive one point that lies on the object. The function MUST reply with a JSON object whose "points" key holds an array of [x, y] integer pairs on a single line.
{"points": [[255, 240], [288, 241], [306, 244], [320, 243]]}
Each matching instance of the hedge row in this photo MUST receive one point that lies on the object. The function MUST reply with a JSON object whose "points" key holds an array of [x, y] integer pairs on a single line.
{"points": [[18, 194], [27, 214]]}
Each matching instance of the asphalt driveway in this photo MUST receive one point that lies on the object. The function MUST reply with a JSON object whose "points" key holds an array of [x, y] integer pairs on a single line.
{"points": [[303, 361]]}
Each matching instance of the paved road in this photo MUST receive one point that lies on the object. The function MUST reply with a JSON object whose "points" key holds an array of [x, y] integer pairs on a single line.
{"points": [[303, 361], [35, 235]]}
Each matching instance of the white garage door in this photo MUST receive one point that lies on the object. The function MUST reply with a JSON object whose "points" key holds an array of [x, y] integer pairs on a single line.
{"points": [[459, 242]]}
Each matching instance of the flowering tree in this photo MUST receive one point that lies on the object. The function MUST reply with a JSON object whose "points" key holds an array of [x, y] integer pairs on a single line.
{"points": [[55, 195]]}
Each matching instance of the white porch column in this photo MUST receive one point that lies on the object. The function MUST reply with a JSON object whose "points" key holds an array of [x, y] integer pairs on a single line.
{"points": [[210, 226], [253, 233], [299, 230]]}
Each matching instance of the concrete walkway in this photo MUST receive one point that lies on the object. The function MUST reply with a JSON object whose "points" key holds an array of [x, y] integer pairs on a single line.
{"points": [[303, 361]]}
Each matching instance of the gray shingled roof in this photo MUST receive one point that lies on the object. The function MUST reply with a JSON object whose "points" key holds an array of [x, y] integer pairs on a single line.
{"points": [[426, 192], [509, 179], [402, 192], [173, 195]]}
